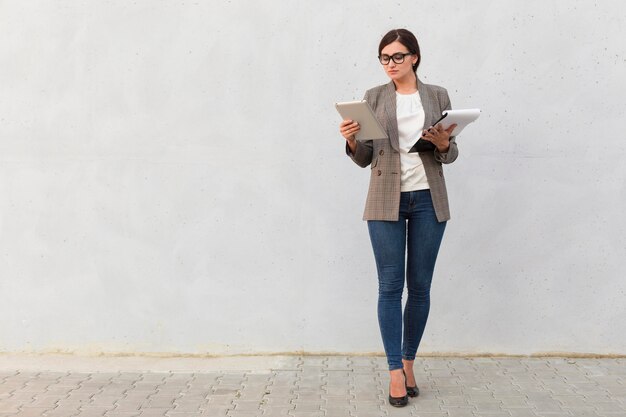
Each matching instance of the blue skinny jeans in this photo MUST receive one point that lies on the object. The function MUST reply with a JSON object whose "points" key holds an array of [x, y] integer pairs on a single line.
{"points": [[417, 234]]}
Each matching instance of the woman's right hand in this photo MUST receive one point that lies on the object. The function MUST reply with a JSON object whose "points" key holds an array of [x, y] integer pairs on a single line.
{"points": [[348, 129]]}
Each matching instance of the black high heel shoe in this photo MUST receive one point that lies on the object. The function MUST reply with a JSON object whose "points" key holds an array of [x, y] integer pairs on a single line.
{"points": [[411, 391], [398, 401]]}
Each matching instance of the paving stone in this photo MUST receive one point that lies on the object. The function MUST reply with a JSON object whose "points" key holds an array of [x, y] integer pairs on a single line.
{"points": [[513, 401], [275, 401], [370, 413], [59, 412], [212, 413], [44, 400], [153, 413], [247, 405], [24, 397], [159, 402], [571, 400], [460, 412], [336, 391], [31, 412], [338, 363], [130, 406], [354, 386], [218, 400], [421, 413], [454, 400], [307, 406], [217, 409], [338, 412], [579, 413], [296, 413], [423, 405], [368, 405], [444, 392], [69, 405], [521, 412], [609, 407], [543, 406], [277, 410], [186, 408], [96, 409], [281, 389]]}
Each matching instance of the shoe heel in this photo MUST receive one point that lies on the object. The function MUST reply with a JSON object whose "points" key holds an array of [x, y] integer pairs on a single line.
{"points": [[410, 391]]}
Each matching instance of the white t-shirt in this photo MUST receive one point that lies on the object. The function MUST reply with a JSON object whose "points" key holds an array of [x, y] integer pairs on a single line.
{"points": [[410, 114]]}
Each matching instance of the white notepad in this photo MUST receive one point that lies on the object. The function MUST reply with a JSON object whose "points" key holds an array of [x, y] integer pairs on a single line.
{"points": [[461, 117]]}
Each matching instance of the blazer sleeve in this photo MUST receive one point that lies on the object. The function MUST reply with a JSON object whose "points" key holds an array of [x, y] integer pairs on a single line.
{"points": [[453, 151], [363, 155]]}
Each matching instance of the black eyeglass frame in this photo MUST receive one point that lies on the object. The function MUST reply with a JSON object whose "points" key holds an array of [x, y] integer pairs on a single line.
{"points": [[398, 58]]}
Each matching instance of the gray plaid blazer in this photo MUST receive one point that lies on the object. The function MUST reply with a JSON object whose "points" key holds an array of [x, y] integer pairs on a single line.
{"points": [[383, 197]]}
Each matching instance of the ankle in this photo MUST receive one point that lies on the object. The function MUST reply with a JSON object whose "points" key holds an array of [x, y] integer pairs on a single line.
{"points": [[397, 375], [397, 383]]}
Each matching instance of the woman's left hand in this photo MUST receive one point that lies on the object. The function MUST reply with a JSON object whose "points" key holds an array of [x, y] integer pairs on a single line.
{"points": [[439, 136]]}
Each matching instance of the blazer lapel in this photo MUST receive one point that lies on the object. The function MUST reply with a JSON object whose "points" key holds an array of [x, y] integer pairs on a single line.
{"points": [[389, 100], [431, 110]]}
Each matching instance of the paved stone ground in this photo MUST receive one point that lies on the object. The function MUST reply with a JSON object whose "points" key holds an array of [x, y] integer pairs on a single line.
{"points": [[337, 386]]}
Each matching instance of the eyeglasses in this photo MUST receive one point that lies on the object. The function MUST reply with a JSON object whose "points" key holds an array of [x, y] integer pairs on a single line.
{"points": [[398, 58]]}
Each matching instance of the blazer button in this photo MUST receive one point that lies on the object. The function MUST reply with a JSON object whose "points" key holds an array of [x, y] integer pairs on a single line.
{"points": [[440, 174], [379, 173], [381, 152]]}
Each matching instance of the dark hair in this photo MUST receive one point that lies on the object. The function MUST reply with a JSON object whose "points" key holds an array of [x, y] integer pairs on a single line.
{"points": [[406, 38]]}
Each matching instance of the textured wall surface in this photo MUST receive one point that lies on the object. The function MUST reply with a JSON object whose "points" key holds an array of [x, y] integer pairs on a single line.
{"points": [[172, 178]]}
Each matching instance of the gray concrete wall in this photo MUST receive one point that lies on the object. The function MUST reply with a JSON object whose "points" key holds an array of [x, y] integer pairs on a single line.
{"points": [[172, 178]]}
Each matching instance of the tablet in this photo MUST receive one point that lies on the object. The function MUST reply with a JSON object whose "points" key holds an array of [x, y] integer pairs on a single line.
{"points": [[362, 113]]}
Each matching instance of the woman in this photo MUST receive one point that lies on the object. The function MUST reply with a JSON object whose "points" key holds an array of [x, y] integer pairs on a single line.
{"points": [[407, 203]]}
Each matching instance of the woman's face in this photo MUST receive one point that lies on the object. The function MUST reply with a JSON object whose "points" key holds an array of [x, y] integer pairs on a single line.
{"points": [[398, 71]]}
